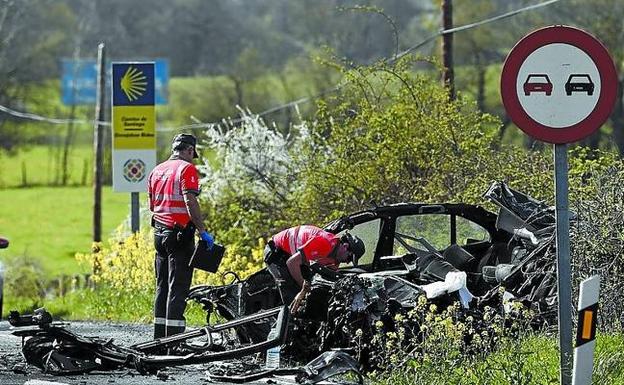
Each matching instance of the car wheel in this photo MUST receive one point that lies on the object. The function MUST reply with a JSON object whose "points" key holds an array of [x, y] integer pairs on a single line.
{"points": [[569, 93]]}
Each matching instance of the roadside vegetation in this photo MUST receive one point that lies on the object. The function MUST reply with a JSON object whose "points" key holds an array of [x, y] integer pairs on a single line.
{"points": [[508, 351], [387, 133]]}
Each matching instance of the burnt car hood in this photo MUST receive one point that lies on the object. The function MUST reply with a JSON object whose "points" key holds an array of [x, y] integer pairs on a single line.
{"points": [[518, 210]]}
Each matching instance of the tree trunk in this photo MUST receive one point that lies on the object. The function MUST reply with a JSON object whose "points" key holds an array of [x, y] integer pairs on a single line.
{"points": [[448, 75], [238, 89], [58, 157], [66, 146], [592, 141], [24, 175], [480, 86], [617, 119]]}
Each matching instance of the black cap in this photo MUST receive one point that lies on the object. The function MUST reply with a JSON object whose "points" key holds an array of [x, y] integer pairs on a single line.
{"points": [[356, 246], [188, 139]]}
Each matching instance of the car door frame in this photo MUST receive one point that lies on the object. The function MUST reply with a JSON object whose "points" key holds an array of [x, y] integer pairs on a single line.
{"points": [[388, 215]]}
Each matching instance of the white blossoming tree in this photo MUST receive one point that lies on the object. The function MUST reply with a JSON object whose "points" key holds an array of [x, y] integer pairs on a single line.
{"points": [[249, 183]]}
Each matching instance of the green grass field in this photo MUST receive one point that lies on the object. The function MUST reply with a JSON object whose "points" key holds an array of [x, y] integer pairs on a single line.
{"points": [[48, 223], [51, 224], [40, 165]]}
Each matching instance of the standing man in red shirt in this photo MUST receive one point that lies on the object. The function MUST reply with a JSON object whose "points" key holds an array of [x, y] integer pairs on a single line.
{"points": [[300, 245], [173, 187]]}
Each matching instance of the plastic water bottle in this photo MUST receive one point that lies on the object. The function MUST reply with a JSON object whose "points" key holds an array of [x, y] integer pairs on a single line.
{"points": [[273, 354]]}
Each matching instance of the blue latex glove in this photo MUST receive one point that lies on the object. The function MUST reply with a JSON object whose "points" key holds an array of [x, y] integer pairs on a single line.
{"points": [[204, 235]]}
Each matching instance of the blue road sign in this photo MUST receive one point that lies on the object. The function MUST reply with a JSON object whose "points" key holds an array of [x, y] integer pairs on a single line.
{"points": [[161, 79], [79, 81]]}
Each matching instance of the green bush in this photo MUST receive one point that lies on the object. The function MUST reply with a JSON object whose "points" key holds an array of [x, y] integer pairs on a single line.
{"points": [[24, 284], [393, 135], [597, 238]]}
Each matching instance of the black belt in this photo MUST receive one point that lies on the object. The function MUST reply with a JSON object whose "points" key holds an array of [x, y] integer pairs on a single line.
{"points": [[181, 234], [159, 225]]}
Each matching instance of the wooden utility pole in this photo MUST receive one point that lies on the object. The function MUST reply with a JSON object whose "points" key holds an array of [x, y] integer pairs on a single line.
{"points": [[448, 75], [98, 145]]}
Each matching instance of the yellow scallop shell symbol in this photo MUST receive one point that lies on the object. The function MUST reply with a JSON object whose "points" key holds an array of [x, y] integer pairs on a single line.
{"points": [[133, 83]]}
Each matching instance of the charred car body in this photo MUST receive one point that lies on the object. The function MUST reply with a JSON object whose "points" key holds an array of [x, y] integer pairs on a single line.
{"points": [[446, 252]]}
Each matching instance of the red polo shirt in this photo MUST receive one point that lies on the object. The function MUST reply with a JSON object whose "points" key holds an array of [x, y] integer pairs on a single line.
{"points": [[315, 243], [167, 184]]}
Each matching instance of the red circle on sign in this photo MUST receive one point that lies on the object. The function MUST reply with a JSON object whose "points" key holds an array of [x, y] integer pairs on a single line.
{"points": [[581, 40]]}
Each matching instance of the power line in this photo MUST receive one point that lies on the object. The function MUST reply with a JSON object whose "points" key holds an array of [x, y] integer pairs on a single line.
{"points": [[39, 118], [472, 25], [35, 117]]}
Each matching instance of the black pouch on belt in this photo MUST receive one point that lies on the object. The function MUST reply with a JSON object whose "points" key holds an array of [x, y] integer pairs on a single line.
{"points": [[185, 234]]}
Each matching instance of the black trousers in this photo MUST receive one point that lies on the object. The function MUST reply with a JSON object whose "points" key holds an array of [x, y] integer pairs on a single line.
{"points": [[173, 279], [276, 264]]}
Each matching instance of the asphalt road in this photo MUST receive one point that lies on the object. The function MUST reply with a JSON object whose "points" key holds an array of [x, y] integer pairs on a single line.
{"points": [[14, 370]]}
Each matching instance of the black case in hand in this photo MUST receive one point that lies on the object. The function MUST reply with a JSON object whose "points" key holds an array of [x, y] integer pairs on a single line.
{"points": [[205, 259]]}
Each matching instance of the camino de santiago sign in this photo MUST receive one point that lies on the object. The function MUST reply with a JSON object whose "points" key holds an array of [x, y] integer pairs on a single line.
{"points": [[134, 125]]}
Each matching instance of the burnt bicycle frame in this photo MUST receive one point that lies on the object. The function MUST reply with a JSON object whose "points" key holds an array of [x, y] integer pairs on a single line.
{"points": [[142, 356]]}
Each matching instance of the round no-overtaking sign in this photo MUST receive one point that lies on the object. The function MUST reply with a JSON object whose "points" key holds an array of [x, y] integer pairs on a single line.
{"points": [[559, 84]]}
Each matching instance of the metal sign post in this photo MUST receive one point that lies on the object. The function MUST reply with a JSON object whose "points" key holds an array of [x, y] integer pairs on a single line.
{"points": [[135, 220], [564, 275], [559, 85]]}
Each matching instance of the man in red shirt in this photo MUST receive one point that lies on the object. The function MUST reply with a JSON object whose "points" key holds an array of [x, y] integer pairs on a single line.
{"points": [[173, 187], [300, 245]]}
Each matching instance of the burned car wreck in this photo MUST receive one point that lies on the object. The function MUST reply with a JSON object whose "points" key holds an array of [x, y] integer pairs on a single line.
{"points": [[446, 252], [449, 253]]}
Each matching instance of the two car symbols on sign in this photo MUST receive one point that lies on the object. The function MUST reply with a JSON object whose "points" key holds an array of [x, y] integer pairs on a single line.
{"points": [[542, 83]]}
